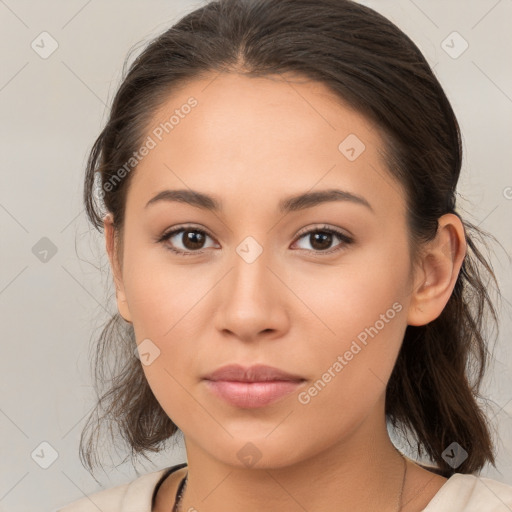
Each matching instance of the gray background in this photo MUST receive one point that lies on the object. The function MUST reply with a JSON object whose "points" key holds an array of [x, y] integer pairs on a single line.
{"points": [[52, 109]]}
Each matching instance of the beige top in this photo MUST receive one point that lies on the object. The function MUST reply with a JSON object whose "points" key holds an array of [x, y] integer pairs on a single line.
{"points": [[460, 493]]}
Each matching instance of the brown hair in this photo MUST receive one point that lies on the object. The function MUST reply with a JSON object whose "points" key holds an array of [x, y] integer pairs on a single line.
{"points": [[369, 63]]}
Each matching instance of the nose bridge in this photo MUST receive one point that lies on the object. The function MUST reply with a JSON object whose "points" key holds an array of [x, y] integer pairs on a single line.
{"points": [[250, 279], [251, 301]]}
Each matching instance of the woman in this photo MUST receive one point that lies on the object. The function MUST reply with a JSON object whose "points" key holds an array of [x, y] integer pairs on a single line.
{"points": [[277, 184]]}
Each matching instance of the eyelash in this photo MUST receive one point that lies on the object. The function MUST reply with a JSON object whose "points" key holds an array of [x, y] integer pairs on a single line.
{"points": [[346, 240]]}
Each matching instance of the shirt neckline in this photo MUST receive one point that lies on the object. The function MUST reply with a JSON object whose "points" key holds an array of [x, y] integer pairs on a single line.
{"points": [[165, 474]]}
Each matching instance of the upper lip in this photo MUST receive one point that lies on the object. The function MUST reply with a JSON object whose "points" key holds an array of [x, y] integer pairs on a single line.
{"points": [[255, 373]]}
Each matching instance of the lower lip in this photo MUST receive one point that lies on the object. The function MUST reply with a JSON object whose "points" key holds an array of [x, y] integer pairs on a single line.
{"points": [[251, 395]]}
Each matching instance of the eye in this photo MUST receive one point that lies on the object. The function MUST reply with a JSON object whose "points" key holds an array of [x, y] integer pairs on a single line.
{"points": [[191, 238], [321, 239]]}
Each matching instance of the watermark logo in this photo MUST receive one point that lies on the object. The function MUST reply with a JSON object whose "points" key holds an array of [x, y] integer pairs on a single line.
{"points": [[44, 45], [351, 147], [44, 250], [44, 455], [454, 455], [454, 45], [249, 454], [249, 249], [146, 351]]}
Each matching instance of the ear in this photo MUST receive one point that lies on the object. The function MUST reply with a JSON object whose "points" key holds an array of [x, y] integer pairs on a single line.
{"points": [[437, 271], [111, 247]]}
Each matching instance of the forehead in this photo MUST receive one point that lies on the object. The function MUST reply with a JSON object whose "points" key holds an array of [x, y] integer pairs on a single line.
{"points": [[254, 139]]}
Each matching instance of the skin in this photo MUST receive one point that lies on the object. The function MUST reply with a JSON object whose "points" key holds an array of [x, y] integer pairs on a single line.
{"points": [[251, 142]]}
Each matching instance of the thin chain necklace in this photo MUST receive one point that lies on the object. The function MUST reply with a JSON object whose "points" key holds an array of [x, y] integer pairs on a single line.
{"points": [[183, 485]]}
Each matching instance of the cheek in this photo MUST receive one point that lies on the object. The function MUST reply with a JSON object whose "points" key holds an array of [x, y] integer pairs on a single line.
{"points": [[160, 293], [346, 298], [360, 322], [353, 367], [166, 303]]}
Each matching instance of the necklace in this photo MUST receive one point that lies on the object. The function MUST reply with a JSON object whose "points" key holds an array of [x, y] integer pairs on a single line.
{"points": [[179, 493], [183, 485]]}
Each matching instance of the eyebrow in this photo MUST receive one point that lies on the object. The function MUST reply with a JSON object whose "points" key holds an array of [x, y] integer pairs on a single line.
{"points": [[289, 204]]}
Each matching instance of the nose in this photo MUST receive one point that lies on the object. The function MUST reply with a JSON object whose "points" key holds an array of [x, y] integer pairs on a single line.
{"points": [[253, 299]]}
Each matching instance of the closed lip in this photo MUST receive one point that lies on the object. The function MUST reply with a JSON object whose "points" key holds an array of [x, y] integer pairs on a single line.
{"points": [[255, 373]]}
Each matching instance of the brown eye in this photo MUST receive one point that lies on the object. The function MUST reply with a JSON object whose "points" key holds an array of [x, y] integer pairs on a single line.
{"points": [[185, 241], [321, 239]]}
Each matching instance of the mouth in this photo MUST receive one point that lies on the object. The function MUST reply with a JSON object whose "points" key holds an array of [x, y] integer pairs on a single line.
{"points": [[252, 387]]}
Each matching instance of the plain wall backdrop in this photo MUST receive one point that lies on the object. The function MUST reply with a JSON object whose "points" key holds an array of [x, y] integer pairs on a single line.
{"points": [[60, 66]]}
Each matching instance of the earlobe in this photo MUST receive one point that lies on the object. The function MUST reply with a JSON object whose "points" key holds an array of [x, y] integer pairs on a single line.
{"points": [[110, 245], [438, 271]]}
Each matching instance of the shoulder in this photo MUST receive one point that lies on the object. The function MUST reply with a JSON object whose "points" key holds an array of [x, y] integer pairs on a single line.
{"points": [[471, 493], [134, 495]]}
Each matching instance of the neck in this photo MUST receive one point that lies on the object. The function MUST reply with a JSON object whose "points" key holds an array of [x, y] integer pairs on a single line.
{"points": [[364, 472]]}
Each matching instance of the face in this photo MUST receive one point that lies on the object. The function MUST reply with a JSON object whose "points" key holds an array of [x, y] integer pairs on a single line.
{"points": [[319, 289]]}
